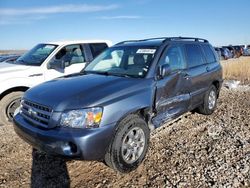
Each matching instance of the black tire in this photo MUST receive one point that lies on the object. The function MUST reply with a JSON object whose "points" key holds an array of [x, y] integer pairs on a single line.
{"points": [[6, 101], [205, 108], [114, 157]]}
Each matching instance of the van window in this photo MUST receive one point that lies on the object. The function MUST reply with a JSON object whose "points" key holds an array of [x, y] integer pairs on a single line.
{"points": [[208, 53], [174, 57], [97, 48], [194, 55]]}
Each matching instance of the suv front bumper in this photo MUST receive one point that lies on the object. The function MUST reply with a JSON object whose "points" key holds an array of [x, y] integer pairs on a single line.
{"points": [[86, 144]]}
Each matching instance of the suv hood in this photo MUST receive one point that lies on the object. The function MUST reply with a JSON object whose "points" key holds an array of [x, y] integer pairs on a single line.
{"points": [[82, 91], [9, 68]]}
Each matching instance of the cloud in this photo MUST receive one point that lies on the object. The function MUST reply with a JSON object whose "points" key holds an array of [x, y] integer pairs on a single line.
{"points": [[10, 16], [23, 20], [68, 8], [118, 17]]}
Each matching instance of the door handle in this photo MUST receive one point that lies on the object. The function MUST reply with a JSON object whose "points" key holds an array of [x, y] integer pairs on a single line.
{"points": [[208, 69]]}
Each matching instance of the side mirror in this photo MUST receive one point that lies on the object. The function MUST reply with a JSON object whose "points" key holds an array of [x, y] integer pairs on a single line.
{"points": [[164, 70], [56, 64]]}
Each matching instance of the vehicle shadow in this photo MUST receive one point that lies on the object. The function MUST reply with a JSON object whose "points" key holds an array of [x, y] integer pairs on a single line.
{"points": [[48, 171]]}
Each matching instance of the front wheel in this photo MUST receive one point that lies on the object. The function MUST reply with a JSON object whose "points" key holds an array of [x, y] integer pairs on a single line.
{"points": [[129, 146], [209, 102], [8, 106]]}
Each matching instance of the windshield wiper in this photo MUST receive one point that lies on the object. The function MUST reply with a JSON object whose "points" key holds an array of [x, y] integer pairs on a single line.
{"points": [[118, 74], [94, 72], [106, 73], [102, 73]]}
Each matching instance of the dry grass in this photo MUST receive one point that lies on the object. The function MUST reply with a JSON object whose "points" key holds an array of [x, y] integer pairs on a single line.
{"points": [[237, 69]]}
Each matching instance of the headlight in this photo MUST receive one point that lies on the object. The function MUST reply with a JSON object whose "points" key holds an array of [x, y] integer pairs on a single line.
{"points": [[84, 118]]}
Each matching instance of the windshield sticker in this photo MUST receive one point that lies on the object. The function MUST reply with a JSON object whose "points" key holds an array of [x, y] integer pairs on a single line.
{"points": [[146, 51]]}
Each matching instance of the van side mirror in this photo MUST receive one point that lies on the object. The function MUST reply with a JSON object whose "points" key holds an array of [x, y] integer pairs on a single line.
{"points": [[56, 64], [163, 71]]}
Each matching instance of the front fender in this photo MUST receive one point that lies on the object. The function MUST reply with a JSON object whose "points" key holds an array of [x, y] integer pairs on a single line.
{"points": [[15, 82], [141, 99]]}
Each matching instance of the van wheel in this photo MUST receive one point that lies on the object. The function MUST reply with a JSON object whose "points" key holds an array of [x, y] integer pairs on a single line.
{"points": [[129, 146], [210, 101], [8, 105]]}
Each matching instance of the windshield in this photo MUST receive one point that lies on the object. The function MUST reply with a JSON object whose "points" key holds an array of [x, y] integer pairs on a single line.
{"points": [[123, 61], [36, 55]]}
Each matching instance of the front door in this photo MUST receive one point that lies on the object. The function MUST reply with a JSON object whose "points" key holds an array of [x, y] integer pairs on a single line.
{"points": [[74, 59], [172, 93]]}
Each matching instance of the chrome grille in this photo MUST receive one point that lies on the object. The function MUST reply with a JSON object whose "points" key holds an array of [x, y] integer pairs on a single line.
{"points": [[36, 114]]}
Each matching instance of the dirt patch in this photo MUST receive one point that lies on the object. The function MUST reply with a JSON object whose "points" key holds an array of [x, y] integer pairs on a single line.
{"points": [[194, 151]]}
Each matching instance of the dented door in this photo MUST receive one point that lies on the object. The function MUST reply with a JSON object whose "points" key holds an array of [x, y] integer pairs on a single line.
{"points": [[172, 97], [172, 92]]}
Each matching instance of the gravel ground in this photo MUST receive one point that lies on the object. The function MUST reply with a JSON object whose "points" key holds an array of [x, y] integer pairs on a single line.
{"points": [[193, 151]]}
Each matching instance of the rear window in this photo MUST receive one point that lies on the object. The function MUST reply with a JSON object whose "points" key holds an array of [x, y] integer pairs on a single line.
{"points": [[97, 48], [194, 55], [208, 53]]}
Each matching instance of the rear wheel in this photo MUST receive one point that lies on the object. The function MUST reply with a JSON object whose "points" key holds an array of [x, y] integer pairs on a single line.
{"points": [[209, 102], [129, 146], [8, 106]]}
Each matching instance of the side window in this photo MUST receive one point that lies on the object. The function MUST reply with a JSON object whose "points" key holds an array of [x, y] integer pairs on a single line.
{"points": [[194, 55], [174, 57], [208, 53], [72, 54], [97, 48]]}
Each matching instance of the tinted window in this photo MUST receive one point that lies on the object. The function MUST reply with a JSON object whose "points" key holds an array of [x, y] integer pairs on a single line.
{"points": [[97, 48], [194, 55], [174, 57], [208, 53], [72, 54]]}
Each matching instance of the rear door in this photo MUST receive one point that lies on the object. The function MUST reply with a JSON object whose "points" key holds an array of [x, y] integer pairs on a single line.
{"points": [[197, 73], [172, 92]]}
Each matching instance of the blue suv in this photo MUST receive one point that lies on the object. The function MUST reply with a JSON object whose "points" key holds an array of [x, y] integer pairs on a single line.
{"points": [[106, 111]]}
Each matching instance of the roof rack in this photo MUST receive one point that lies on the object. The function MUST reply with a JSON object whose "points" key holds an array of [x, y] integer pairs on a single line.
{"points": [[186, 38], [141, 40], [165, 39]]}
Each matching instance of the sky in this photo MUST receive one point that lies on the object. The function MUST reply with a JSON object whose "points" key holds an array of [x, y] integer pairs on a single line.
{"points": [[24, 23]]}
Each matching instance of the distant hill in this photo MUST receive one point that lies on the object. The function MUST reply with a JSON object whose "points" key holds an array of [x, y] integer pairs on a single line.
{"points": [[12, 51]]}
